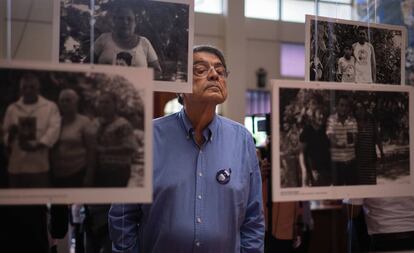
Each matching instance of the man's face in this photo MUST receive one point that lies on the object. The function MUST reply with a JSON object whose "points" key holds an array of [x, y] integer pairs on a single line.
{"points": [[362, 37], [348, 52], [209, 80], [360, 111], [342, 107], [29, 89]]}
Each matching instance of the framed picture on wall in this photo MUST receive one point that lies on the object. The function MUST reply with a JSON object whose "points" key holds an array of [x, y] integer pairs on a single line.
{"points": [[331, 142], [154, 33], [354, 52], [75, 133]]}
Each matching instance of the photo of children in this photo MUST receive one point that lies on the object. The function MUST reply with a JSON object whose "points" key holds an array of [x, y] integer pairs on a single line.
{"points": [[354, 52]]}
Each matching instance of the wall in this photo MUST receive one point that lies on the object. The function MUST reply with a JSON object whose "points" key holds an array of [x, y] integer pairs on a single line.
{"points": [[257, 40], [247, 43]]}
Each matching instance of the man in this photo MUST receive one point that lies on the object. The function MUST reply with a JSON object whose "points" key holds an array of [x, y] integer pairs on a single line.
{"points": [[365, 65], [346, 66], [341, 130], [207, 185], [315, 157], [389, 223], [31, 126]]}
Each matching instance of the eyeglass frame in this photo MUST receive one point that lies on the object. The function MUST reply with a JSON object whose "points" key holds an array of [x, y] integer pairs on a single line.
{"points": [[206, 64]]}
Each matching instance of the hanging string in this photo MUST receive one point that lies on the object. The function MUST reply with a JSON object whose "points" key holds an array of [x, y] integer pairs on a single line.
{"points": [[315, 42], [8, 30], [92, 33], [123, 226], [26, 22], [369, 20]]}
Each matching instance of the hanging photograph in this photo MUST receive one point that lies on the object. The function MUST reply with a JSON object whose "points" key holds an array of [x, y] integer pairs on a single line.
{"points": [[75, 134], [347, 142], [150, 33], [354, 52]]}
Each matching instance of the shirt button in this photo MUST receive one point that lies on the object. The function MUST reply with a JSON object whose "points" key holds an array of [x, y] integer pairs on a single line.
{"points": [[201, 151], [199, 196], [198, 220], [197, 243], [200, 174]]}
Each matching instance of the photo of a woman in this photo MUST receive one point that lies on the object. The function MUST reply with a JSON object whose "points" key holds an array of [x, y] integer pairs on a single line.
{"points": [[148, 34], [72, 157], [116, 144], [124, 39]]}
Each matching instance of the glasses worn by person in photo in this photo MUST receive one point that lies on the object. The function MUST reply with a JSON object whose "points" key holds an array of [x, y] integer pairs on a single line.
{"points": [[202, 69]]}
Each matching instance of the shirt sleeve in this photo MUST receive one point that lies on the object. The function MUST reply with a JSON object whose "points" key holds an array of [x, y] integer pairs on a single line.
{"points": [[253, 228], [123, 227], [151, 54], [329, 125], [99, 44], [53, 129], [340, 66], [7, 122]]}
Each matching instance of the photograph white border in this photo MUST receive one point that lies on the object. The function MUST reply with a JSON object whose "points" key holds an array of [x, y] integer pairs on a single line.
{"points": [[167, 86], [142, 79], [312, 18], [334, 192]]}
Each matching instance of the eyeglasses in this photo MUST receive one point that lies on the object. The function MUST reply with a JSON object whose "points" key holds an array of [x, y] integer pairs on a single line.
{"points": [[203, 69]]}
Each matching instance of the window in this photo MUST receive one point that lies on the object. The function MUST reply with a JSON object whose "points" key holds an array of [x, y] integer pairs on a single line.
{"points": [[295, 10], [258, 103], [292, 60], [262, 9], [255, 125], [333, 10], [209, 6]]}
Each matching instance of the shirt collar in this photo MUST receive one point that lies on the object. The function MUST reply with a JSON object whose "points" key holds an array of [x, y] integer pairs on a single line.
{"points": [[208, 133], [348, 118]]}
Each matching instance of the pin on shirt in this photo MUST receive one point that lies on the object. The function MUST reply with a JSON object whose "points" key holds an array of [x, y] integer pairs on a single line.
{"points": [[223, 176]]}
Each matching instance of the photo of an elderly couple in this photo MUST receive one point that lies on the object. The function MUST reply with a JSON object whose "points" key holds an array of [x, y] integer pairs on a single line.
{"points": [[354, 52], [337, 137], [68, 129], [154, 34]]}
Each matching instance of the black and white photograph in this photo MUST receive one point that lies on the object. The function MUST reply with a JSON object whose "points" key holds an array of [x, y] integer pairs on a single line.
{"points": [[74, 134], [354, 52], [332, 142], [149, 33]]}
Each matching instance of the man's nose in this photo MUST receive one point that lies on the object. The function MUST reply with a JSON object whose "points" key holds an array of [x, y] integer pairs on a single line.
{"points": [[212, 74]]}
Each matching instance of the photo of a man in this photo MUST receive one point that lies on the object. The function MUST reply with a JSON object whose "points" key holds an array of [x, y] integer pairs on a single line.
{"points": [[350, 139], [31, 126], [365, 65], [342, 130]]}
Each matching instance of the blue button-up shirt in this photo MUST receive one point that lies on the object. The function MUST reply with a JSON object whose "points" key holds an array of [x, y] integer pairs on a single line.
{"points": [[191, 210]]}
